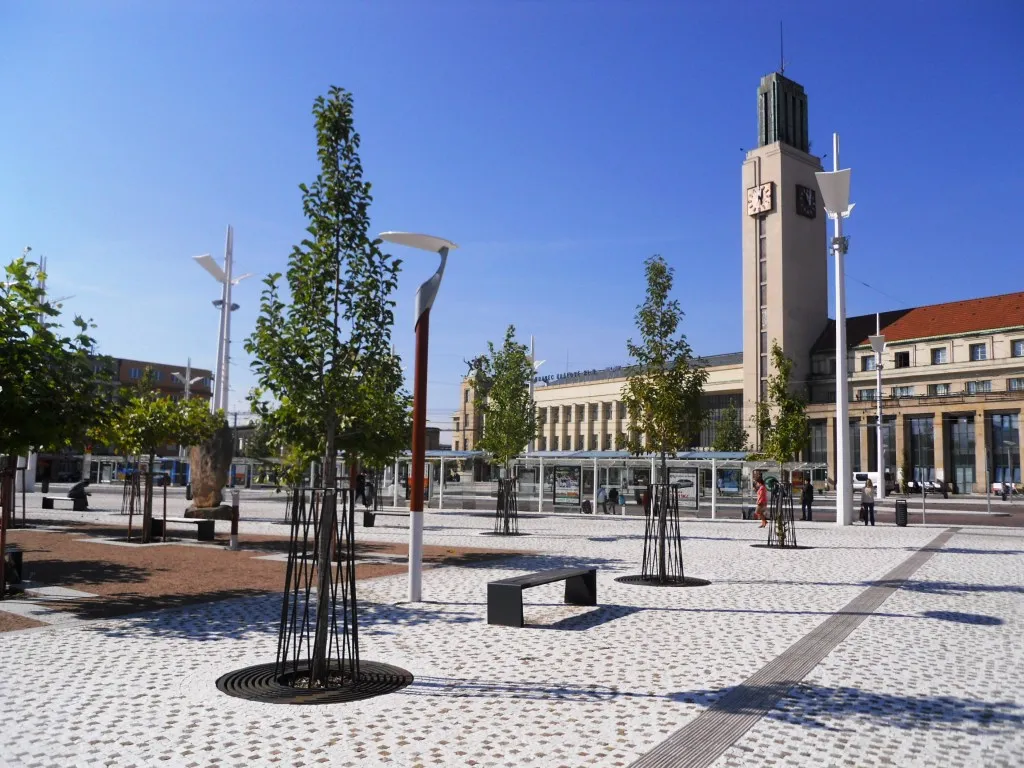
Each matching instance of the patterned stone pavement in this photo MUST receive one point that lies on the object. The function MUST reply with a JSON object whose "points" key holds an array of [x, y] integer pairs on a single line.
{"points": [[931, 677]]}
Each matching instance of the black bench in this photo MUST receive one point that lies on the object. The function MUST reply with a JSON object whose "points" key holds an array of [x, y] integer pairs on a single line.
{"points": [[204, 528], [77, 505], [370, 517], [505, 596]]}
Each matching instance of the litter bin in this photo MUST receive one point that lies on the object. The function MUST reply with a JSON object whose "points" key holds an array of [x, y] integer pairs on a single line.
{"points": [[46, 485], [188, 491], [13, 555], [901, 513], [368, 519]]}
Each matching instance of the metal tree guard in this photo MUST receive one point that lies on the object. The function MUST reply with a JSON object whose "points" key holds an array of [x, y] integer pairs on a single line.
{"points": [[506, 513], [781, 531], [662, 564], [290, 679]]}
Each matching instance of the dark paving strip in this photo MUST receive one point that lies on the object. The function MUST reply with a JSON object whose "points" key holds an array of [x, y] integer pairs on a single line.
{"points": [[703, 740]]}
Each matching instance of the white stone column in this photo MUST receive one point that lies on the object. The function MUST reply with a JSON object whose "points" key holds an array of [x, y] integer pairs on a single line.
{"points": [[714, 489]]}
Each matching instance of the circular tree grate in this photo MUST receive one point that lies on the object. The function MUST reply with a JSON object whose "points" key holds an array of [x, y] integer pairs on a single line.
{"points": [[261, 683], [776, 546], [653, 581], [510, 533]]}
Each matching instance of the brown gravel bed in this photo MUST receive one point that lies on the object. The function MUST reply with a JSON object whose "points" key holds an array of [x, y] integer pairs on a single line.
{"points": [[128, 579]]}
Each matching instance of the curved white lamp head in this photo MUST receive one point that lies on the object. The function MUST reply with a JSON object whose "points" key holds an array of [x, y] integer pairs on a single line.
{"points": [[428, 291], [835, 191]]}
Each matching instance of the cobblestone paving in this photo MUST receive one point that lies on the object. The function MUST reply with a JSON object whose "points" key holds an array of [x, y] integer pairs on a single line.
{"points": [[578, 686]]}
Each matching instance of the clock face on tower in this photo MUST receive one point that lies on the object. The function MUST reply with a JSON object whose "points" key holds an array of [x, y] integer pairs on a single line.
{"points": [[806, 202], [759, 199]]}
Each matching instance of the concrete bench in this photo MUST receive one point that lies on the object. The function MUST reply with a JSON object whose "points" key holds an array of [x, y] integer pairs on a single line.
{"points": [[505, 596], [204, 528], [77, 505]]}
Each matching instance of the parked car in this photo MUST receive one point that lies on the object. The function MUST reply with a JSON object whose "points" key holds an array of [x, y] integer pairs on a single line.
{"points": [[930, 486]]}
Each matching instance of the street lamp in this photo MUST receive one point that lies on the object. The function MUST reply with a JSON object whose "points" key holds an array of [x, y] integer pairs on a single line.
{"points": [[878, 344], [224, 277], [835, 194], [533, 375], [424, 301]]}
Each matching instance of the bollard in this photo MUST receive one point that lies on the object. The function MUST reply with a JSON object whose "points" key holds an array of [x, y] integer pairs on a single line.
{"points": [[233, 546]]}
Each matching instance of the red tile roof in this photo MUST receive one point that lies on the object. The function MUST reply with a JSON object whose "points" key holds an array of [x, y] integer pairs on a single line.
{"points": [[953, 318]]}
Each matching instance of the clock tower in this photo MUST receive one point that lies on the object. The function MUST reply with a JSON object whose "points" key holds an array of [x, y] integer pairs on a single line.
{"points": [[785, 264]]}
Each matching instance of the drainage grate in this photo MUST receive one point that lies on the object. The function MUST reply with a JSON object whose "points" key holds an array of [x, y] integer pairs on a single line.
{"points": [[262, 683], [653, 581]]}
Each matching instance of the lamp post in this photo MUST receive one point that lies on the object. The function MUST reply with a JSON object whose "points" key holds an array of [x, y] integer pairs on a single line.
{"points": [[424, 301], [227, 282], [1008, 477], [188, 380], [533, 375], [835, 194], [878, 344]]}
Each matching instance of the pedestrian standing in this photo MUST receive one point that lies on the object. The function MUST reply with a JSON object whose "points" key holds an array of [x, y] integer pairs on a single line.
{"points": [[867, 502], [806, 500]]}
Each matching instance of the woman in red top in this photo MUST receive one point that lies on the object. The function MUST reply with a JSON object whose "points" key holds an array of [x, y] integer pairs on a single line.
{"points": [[762, 503]]}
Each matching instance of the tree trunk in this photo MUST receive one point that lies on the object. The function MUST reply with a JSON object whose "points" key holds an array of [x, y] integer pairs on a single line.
{"points": [[663, 521], [147, 508], [318, 661]]}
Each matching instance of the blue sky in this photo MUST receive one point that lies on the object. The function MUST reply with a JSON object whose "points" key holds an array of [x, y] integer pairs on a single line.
{"points": [[559, 143]]}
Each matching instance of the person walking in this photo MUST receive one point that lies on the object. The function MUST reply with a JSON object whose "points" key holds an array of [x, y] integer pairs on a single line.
{"points": [[867, 502], [806, 500], [761, 509], [602, 499]]}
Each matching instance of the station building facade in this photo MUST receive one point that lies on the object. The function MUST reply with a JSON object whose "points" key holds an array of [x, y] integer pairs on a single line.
{"points": [[953, 373]]}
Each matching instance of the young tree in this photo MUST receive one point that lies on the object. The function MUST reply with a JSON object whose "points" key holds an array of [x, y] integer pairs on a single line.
{"points": [[729, 433], [663, 391], [325, 359], [502, 398], [501, 386], [146, 420], [782, 422], [53, 387]]}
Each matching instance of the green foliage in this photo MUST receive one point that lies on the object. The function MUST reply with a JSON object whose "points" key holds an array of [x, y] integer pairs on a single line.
{"points": [[730, 434], [327, 377], [502, 398], [782, 420], [53, 387], [145, 421], [663, 391]]}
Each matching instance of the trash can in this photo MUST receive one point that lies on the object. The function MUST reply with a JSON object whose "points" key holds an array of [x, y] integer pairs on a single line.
{"points": [[45, 485], [368, 518], [188, 492], [901, 513], [13, 555]]}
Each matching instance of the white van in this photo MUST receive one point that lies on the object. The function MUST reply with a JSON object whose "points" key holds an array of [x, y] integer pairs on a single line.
{"points": [[861, 478]]}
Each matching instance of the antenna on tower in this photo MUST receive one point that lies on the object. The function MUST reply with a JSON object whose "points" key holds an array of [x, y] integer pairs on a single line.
{"points": [[782, 52]]}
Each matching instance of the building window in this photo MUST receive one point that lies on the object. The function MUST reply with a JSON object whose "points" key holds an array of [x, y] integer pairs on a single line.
{"points": [[902, 391], [542, 443], [607, 411], [456, 425], [542, 415], [135, 373], [593, 412], [568, 414], [1005, 440], [764, 295], [819, 443], [867, 363], [977, 387], [554, 443], [554, 415], [902, 359], [1017, 348], [855, 445], [866, 394], [158, 375], [922, 449], [819, 365], [621, 408], [978, 352], [939, 356], [1015, 385], [939, 390]]}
